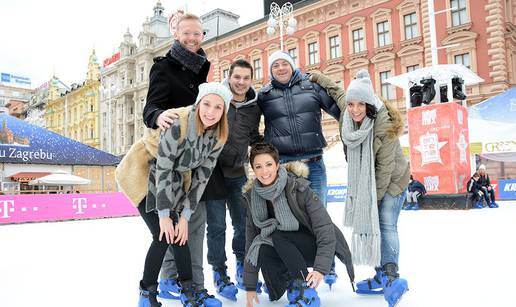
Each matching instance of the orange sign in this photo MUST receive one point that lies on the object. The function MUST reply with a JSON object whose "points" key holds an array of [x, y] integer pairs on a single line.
{"points": [[439, 147]]}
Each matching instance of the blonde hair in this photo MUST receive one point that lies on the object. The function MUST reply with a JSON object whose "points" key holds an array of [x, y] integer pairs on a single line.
{"points": [[222, 128], [187, 16]]}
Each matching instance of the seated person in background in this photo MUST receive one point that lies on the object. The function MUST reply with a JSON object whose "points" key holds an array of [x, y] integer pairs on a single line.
{"points": [[415, 190], [475, 188], [486, 187]]}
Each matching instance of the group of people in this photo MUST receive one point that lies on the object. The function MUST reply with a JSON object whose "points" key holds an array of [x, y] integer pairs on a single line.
{"points": [[479, 185], [191, 165]]}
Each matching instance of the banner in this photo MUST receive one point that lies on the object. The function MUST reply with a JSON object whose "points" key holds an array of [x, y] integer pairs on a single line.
{"points": [[60, 207], [506, 189], [336, 193]]}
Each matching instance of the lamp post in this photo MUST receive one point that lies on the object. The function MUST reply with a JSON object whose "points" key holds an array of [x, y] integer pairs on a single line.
{"points": [[282, 17]]}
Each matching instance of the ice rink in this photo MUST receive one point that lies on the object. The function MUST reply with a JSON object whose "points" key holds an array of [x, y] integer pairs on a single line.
{"points": [[450, 258]]}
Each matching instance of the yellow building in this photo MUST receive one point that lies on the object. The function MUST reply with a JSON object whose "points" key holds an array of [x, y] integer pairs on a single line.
{"points": [[75, 114]]}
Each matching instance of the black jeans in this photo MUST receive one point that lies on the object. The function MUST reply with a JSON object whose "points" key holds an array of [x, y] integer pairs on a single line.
{"points": [[489, 195], [158, 248], [292, 253]]}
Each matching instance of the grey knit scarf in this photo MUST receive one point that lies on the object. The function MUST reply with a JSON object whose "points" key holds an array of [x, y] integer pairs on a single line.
{"points": [[361, 212], [192, 61], [284, 218]]}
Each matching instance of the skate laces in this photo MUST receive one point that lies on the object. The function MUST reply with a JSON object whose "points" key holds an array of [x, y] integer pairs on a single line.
{"points": [[203, 295]]}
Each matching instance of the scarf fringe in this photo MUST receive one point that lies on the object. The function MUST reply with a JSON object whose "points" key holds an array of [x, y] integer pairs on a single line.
{"points": [[365, 249]]}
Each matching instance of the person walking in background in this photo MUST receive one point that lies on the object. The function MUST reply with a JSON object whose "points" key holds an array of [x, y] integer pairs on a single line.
{"points": [[287, 230], [416, 190], [378, 176]]}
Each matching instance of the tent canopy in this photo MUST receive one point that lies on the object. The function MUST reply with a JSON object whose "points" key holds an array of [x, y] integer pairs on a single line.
{"points": [[60, 178], [441, 73]]}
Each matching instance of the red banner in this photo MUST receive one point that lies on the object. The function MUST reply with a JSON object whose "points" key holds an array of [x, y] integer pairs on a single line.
{"points": [[439, 147]]}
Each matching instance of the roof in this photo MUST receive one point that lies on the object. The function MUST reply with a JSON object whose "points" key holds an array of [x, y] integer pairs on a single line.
{"points": [[24, 143]]}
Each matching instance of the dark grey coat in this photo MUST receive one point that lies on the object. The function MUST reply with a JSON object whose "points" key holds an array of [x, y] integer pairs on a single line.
{"points": [[310, 212]]}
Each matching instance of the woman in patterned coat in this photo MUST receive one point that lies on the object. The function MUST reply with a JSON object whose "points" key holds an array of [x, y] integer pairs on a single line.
{"points": [[170, 201]]}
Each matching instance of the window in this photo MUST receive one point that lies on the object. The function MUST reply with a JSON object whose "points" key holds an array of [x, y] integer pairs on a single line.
{"points": [[257, 64], [91, 133], [91, 108], [358, 40], [313, 56], [383, 33], [463, 59], [386, 87], [458, 12], [410, 22], [142, 70], [293, 54], [225, 73], [412, 67], [334, 47]]}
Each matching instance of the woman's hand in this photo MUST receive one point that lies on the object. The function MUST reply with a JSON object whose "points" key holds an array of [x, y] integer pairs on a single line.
{"points": [[314, 278], [251, 296], [166, 227], [181, 232]]}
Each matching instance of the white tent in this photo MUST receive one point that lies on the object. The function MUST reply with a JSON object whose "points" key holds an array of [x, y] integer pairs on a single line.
{"points": [[60, 178]]}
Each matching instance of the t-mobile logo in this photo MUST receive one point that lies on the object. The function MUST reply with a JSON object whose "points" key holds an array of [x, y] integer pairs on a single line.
{"points": [[6, 206], [79, 204]]}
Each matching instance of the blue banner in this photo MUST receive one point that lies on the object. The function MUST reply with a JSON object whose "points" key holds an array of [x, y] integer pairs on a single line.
{"points": [[507, 188], [336, 193], [21, 142]]}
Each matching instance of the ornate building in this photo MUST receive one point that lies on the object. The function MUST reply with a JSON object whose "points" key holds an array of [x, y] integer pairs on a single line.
{"points": [[75, 113], [44, 93], [339, 37]]}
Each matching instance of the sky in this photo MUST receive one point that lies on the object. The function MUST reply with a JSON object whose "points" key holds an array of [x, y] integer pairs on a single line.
{"points": [[42, 38]]}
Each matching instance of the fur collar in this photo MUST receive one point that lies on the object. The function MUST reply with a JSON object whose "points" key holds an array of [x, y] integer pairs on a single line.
{"points": [[389, 122]]}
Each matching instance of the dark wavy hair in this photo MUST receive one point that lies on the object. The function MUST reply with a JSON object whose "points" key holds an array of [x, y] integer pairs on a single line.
{"points": [[263, 148], [371, 111]]}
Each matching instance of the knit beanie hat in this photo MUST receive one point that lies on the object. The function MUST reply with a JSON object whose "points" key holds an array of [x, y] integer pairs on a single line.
{"points": [[280, 55], [217, 89], [361, 89]]}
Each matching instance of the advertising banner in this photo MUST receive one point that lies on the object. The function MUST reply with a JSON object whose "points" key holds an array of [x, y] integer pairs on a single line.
{"points": [[60, 207], [439, 147], [336, 193]]}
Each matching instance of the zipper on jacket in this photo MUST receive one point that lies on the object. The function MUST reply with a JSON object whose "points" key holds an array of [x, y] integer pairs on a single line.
{"points": [[291, 115]]}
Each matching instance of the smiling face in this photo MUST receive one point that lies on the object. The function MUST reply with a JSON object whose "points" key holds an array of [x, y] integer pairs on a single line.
{"points": [[240, 82], [189, 34], [211, 108], [281, 71], [265, 169], [357, 111]]}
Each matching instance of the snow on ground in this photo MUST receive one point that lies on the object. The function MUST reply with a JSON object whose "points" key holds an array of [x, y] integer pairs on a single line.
{"points": [[450, 258]]}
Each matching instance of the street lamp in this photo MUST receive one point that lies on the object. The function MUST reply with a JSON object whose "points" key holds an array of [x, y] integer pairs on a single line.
{"points": [[281, 17]]}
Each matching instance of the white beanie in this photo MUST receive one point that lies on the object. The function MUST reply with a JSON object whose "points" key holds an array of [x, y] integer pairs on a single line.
{"points": [[280, 55], [482, 167], [217, 89], [361, 89]]}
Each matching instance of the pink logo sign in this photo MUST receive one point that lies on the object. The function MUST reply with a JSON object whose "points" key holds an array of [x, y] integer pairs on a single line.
{"points": [[59, 207]]}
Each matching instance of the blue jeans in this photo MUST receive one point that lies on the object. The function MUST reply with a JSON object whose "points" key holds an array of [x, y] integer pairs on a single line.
{"points": [[389, 212], [317, 178], [216, 220]]}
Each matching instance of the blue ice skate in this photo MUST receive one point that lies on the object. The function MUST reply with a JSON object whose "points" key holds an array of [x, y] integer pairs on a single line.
{"points": [[148, 297], [331, 277], [372, 285], [303, 296], [169, 289], [394, 287], [204, 299], [224, 286], [478, 205]]}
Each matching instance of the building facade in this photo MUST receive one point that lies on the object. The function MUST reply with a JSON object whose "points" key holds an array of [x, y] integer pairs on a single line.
{"points": [[125, 76], [337, 38], [13, 100], [75, 114]]}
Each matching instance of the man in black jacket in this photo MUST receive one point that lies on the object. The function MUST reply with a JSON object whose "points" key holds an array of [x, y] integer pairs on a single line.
{"points": [[291, 105], [244, 120], [173, 82]]}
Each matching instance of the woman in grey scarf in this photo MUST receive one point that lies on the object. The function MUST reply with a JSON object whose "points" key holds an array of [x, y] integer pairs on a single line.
{"points": [[287, 229], [378, 176]]}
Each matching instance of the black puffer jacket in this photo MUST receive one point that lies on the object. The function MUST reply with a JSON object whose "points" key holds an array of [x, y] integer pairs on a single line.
{"points": [[293, 116]]}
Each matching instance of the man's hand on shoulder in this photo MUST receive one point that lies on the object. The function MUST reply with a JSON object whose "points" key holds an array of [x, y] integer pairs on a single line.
{"points": [[166, 119]]}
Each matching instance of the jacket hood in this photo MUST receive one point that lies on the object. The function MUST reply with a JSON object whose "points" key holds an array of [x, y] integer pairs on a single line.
{"points": [[297, 168], [389, 121], [251, 96]]}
